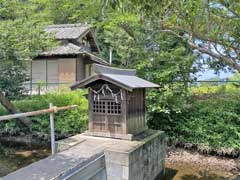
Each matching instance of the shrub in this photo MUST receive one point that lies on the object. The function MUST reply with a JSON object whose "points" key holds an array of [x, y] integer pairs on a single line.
{"points": [[212, 122], [66, 122]]}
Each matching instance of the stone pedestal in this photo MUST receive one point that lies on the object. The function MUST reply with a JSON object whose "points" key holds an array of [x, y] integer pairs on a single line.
{"points": [[110, 135], [141, 161], [96, 158]]}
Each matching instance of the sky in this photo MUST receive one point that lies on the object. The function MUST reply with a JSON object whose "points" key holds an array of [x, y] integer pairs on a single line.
{"points": [[208, 74]]}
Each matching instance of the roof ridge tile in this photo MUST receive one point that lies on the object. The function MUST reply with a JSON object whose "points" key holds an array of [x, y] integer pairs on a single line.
{"points": [[66, 25]]}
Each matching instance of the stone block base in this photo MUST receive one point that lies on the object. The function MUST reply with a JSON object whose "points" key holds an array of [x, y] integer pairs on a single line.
{"points": [[110, 135], [143, 160], [97, 158]]}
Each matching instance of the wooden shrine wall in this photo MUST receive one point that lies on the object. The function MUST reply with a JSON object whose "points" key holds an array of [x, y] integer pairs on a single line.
{"points": [[105, 115], [136, 111]]}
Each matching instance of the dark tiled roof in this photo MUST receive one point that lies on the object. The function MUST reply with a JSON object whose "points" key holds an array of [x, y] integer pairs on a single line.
{"points": [[68, 31], [120, 77], [72, 49], [66, 49], [95, 58]]}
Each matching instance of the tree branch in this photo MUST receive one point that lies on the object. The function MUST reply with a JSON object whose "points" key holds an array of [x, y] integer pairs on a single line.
{"points": [[214, 41], [173, 32], [12, 109], [127, 29], [104, 6], [227, 60], [232, 62], [230, 9], [197, 35]]}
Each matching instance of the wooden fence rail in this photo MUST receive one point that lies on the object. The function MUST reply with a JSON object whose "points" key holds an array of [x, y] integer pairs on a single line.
{"points": [[34, 113], [52, 109]]}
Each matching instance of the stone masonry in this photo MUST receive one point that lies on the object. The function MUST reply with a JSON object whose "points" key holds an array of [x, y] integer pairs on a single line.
{"points": [[97, 158], [142, 162]]}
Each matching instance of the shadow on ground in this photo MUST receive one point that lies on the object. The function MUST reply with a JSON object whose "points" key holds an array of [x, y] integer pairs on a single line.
{"points": [[172, 174]]}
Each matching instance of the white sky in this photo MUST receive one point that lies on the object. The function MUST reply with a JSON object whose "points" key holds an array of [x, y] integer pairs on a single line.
{"points": [[208, 74]]}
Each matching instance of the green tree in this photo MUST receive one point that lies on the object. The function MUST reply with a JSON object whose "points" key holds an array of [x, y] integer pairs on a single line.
{"points": [[68, 11], [158, 56], [210, 27], [22, 37], [20, 41]]}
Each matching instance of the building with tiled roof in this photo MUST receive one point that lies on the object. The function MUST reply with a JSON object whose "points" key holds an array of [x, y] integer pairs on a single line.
{"points": [[71, 61]]}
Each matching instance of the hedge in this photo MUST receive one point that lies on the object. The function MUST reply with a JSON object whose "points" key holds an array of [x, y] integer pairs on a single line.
{"points": [[66, 122], [209, 120]]}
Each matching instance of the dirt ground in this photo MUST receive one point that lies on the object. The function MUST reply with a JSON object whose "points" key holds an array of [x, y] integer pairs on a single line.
{"points": [[187, 165]]}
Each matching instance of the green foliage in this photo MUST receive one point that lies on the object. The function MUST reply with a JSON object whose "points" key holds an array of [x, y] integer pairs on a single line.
{"points": [[236, 77], [211, 27], [168, 60], [214, 123], [158, 57], [22, 38], [123, 33], [150, 36], [18, 46], [66, 122], [70, 11], [206, 119]]}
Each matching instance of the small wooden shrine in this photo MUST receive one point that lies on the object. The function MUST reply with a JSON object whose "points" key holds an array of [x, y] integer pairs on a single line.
{"points": [[116, 102]]}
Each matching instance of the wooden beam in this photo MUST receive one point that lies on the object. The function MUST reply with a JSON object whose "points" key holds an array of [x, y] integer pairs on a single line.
{"points": [[34, 113]]}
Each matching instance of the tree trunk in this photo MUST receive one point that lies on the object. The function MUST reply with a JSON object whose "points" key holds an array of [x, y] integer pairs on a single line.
{"points": [[12, 109]]}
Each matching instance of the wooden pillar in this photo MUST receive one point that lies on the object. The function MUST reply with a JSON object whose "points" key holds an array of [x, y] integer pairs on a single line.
{"points": [[31, 81], [90, 111], [46, 74], [144, 106], [124, 106], [53, 149]]}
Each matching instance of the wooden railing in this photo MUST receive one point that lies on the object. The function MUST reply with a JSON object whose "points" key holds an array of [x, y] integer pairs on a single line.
{"points": [[51, 110]]}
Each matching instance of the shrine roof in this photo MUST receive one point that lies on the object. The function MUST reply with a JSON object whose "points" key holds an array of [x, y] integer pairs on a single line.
{"points": [[124, 78]]}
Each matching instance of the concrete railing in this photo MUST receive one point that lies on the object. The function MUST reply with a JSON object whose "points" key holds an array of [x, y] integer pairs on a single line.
{"points": [[94, 169]]}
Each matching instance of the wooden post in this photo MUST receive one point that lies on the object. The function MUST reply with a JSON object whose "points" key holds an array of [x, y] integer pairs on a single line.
{"points": [[46, 75], [39, 89], [52, 130], [31, 80], [110, 56]]}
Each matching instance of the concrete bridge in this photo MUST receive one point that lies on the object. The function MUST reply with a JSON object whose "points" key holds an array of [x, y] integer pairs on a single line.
{"points": [[83, 157]]}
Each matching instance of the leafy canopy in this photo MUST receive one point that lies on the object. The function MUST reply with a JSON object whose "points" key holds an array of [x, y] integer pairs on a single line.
{"points": [[21, 39], [210, 27]]}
